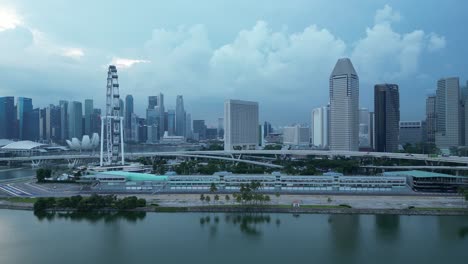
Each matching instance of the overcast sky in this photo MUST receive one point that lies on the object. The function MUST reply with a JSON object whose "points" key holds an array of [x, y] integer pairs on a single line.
{"points": [[279, 53]]}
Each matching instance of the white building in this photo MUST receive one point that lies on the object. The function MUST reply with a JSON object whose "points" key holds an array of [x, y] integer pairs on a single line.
{"points": [[166, 139], [320, 126], [344, 107], [296, 135], [240, 124], [447, 112]]}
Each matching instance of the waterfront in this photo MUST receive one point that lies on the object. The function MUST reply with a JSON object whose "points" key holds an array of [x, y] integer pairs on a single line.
{"points": [[14, 173], [230, 238]]}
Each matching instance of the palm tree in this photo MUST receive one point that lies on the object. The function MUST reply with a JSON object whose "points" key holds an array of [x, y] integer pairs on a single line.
{"points": [[227, 198], [202, 197], [213, 188], [207, 199], [216, 198]]}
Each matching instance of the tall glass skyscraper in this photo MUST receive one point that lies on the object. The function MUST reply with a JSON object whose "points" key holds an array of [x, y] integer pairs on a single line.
{"points": [[171, 122], [128, 117], [387, 117], [23, 105], [88, 111], [75, 120], [344, 107], [180, 116], [7, 117], [447, 113]]}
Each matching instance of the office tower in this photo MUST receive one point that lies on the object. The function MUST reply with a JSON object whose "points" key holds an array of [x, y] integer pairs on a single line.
{"points": [[142, 130], [188, 126], [447, 112], [240, 124], [320, 125], [372, 130], [161, 122], [387, 117], [171, 117], [431, 118], [50, 123], [23, 105], [411, 132], [75, 120], [152, 117], [344, 107], [211, 133], [128, 117], [134, 128], [31, 124], [152, 102], [64, 120], [88, 111], [7, 117], [220, 127], [121, 108], [199, 129], [267, 129], [96, 121], [296, 135], [42, 124], [180, 116], [364, 140]]}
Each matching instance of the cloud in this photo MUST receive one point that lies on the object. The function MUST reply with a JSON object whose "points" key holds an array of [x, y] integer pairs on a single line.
{"points": [[9, 19], [74, 53], [124, 63], [385, 55], [436, 42]]}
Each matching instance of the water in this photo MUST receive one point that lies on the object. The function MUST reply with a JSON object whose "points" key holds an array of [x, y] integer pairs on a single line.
{"points": [[8, 173], [230, 238]]}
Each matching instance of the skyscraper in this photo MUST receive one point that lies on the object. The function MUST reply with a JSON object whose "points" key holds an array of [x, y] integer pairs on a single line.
{"points": [[220, 127], [296, 135], [199, 129], [75, 120], [241, 127], [161, 109], [320, 124], [387, 117], [23, 105], [7, 117], [188, 126], [431, 117], [344, 107], [64, 120], [88, 111], [171, 122], [128, 117], [180, 116], [447, 111], [31, 125], [364, 140], [152, 102], [152, 116]]}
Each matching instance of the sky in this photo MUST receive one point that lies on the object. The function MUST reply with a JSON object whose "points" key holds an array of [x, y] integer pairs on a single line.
{"points": [[278, 53]]}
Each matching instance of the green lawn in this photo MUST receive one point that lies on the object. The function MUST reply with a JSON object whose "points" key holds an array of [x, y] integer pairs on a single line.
{"points": [[20, 199]]}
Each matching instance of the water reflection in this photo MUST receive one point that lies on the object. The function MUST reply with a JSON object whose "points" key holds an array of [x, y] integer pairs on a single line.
{"points": [[387, 226], [344, 232], [92, 217], [249, 224]]}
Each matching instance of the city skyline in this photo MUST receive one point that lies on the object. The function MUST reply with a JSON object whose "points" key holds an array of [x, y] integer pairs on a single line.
{"points": [[415, 56]]}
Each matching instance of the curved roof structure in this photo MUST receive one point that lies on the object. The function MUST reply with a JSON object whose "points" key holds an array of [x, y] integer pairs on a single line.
{"points": [[4, 142], [23, 145]]}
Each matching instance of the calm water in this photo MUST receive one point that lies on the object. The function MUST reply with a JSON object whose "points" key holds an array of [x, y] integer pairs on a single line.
{"points": [[230, 238], [15, 173]]}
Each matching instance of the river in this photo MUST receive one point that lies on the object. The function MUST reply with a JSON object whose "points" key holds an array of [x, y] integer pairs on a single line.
{"points": [[12, 173], [230, 238]]}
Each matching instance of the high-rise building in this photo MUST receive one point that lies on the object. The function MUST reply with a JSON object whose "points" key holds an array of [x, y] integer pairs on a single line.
{"points": [[320, 125], [142, 130], [180, 116], [152, 117], [96, 121], [364, 140], [296, 135], [344, 107], [50, 122], [128, 117], [188, 126], [23, 105], [267, 129], [7, 117], [372, 129], [161, 123], [211, 133], [31, 125], [121, 108], [240, 124], [88, 111], [199, 129], [171, 122], [431, 117], [152, 102], [75, 120], [64, 120], [448, 113], [220, 127], [387, 117], [411, 132]]}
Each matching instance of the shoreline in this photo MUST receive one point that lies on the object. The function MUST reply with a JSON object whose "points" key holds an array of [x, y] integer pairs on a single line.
{"points": [[266, 209]]}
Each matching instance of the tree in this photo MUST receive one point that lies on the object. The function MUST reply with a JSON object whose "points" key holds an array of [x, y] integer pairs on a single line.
{"points": [[277, 194], [216, 198], [267, 198], [227, 198], [207, 199], [213, 187], [202, 197]]}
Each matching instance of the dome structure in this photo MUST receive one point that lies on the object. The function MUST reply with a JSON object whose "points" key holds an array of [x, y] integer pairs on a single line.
{"points": [[85, 144]]}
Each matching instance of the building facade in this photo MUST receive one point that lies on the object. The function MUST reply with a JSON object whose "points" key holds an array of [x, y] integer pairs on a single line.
{"points": [[411, 132], [431, 117], [296, 135], [320, 125], [180, 116], [447, 111], [344, 107], [387, 117], [7, 118], [240, 124], [75, 120]]}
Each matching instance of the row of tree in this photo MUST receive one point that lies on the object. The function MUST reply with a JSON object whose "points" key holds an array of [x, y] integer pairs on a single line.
{"points": [[87, 204], [248, 194], [42, 174]]}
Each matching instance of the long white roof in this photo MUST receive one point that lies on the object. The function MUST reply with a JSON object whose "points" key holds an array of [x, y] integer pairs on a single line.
{"points": [[4, 142], [23, 145]]}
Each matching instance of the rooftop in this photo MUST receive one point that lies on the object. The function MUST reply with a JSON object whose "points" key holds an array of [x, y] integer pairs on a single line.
{"points": [[135, 176], [22, 145], [417, 174]]}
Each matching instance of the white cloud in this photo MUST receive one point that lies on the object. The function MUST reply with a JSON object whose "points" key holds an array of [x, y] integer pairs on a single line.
{"points": [[9, 19], [386, 15], [74, 53], [436, 42], [124, 63]]}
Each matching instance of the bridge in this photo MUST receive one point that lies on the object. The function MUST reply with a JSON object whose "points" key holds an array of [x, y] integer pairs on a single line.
{"points": [[236, 155]]}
